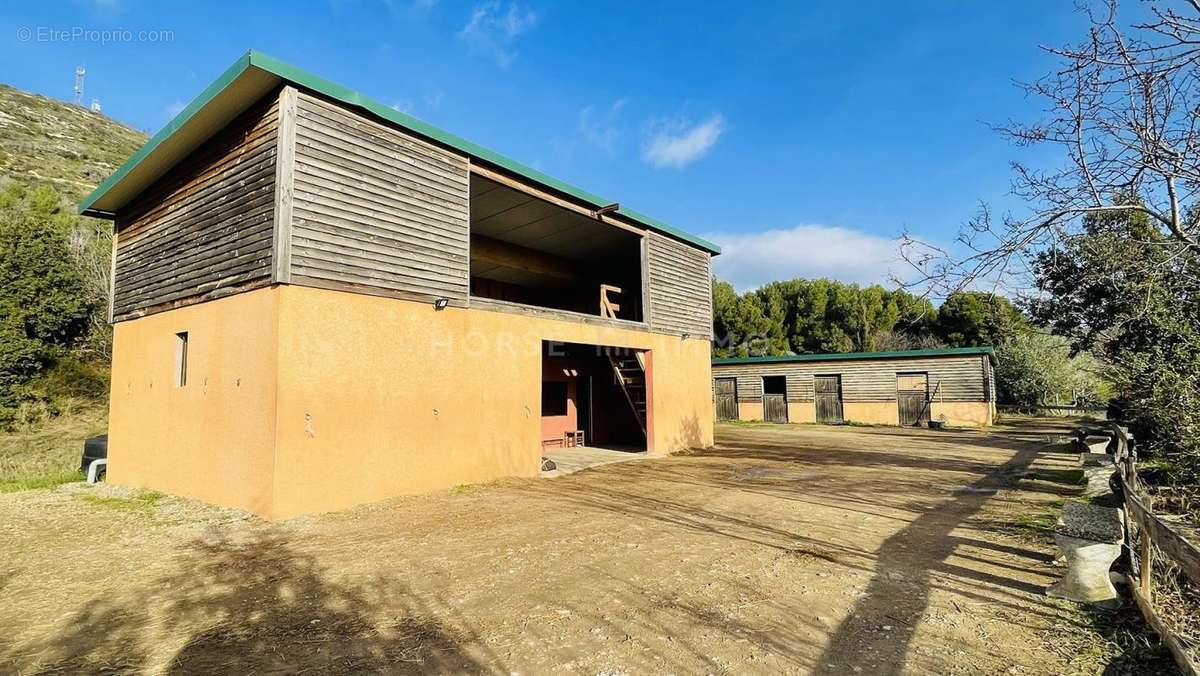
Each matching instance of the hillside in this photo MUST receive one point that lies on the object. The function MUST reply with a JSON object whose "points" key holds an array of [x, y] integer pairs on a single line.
{"points": [[44, 140]]}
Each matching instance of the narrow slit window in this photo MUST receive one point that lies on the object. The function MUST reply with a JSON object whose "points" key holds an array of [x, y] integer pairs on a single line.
{"points": [[181, 358]]}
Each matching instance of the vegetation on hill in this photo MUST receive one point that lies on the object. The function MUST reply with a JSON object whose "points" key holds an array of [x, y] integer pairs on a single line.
{"points": [[45, 310], [54, 269], [44, 141]]}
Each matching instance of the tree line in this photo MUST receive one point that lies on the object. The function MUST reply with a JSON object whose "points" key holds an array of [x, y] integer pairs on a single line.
{"points": [[803, 316]]}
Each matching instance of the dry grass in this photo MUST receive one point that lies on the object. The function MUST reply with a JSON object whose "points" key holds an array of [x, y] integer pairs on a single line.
{"points": [[1098, 641], [1176, 599], [46, 453]]}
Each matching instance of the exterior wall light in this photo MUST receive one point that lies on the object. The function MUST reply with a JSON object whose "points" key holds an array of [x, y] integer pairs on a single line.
{"points": [[440, 304]]}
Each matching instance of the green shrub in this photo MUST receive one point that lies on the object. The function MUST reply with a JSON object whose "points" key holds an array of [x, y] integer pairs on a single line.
{"points": [[46, 307]]}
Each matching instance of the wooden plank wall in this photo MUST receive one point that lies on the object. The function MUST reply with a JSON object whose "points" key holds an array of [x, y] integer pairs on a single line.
{"points": [[989, 379], [680, 287], [376, 210], [961, 378], [204, 229]]}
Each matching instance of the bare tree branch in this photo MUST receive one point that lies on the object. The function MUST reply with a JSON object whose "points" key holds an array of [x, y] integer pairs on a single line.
{"points": [[1123, 107]]}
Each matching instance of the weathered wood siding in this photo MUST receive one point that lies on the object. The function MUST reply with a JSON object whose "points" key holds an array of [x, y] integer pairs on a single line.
{"points": [[376, 210], [204, 229], [955, 378], [989, 376], [680, 287]]}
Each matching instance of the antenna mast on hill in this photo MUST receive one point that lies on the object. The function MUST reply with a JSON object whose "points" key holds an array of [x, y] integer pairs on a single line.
{"points": [[79, 73]]}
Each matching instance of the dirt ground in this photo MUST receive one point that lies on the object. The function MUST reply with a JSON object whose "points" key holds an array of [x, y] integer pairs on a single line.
{"points": [[797, 549]]}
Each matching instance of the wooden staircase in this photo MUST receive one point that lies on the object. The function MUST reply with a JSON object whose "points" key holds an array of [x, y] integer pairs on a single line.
{"points": [[630, 372]]}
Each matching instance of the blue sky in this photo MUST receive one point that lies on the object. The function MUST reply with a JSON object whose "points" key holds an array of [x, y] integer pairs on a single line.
{"points": [[802, 136]]}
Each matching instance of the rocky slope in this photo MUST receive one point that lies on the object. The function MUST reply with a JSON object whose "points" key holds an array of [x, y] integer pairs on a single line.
{"points": [[44, 140]]}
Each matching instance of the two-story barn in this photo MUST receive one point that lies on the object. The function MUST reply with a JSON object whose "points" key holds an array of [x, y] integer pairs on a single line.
{"points": [[908, 387], [320, 301]]}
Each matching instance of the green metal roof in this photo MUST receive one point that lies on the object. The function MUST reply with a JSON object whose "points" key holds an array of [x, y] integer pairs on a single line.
{"points": [[850, 356], [225, 97]]}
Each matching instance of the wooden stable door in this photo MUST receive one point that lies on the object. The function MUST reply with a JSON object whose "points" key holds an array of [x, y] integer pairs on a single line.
{"points": [[775, 408], [912, 397], [774, 399], [828, 392], [726, 398]]}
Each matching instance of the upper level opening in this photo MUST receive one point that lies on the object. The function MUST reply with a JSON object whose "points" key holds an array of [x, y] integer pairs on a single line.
{"points": [[529, 251]]}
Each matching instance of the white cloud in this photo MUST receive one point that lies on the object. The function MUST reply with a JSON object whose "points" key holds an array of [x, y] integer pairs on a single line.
{"points": [[749, 260], [405, 106], [601, 129], [494, 26], [676, 144], [175, 108]]}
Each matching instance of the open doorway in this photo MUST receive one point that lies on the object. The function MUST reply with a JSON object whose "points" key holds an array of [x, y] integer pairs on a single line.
{"points": [[527, 251], [775, 399], [593, 396]]}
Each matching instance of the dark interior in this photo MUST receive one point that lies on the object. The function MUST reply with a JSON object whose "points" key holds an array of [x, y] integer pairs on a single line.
{"points": [[604, 414], [529, 251], [774, 385]]}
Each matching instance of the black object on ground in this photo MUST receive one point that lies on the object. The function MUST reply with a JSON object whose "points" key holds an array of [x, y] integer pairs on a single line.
{"points": [[93, 449]]}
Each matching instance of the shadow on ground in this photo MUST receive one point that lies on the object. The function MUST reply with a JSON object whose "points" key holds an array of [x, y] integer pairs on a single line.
{"points": [[887, 482], [252, 606], [786, 549]]}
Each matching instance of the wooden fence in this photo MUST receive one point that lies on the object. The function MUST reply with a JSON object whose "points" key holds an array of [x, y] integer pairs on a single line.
{"points": [[1053, 410], [1145, 533]]}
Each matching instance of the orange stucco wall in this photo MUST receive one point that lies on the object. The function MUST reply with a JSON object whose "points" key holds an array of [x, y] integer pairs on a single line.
{"points": [[304, 400], [212, 439], [802, 412], [750, 410], [964, 413], [871, 412], [955, 413], [402, 399]]}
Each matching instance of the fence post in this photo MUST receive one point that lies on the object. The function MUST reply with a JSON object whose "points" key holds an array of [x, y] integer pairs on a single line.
{"points": [[1145, 568]]}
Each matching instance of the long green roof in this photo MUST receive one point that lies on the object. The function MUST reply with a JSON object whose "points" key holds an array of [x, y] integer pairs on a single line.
{"points": [[245, 77], [850, 356]]}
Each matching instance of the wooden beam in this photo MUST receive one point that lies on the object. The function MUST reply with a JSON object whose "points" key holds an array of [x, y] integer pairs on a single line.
{"points": [[506, 180], [285, 171], [516, 257], [493, 305], [112, 274], [644, 271], [607, 307]]}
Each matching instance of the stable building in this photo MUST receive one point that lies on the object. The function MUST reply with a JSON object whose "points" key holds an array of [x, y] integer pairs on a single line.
{"points": [[320, 301], [954, 386]]}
